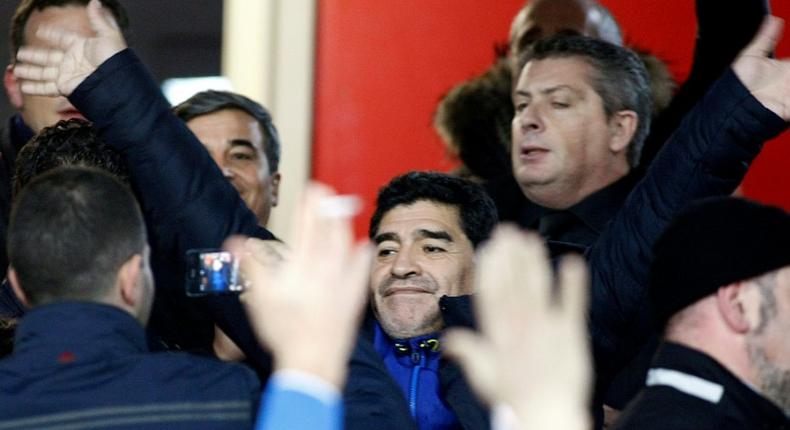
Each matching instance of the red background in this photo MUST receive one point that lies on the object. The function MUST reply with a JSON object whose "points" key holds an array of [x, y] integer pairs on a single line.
{"points": [[382, 66]]}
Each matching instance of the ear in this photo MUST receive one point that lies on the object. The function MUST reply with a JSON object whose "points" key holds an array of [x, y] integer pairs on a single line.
{"points": [[275, 185], [128, 280], [735, 307], [623, 126], [14, 281], [12, 88]]}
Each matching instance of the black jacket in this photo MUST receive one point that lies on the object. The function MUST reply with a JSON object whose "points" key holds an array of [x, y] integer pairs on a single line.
{"points": [[189, 204], [688, 389]]}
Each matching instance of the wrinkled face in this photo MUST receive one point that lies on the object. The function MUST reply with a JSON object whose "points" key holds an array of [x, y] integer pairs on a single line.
{"points": [[236, 143], [422, 255], [769, 345], [38, 111], [561, 136]]}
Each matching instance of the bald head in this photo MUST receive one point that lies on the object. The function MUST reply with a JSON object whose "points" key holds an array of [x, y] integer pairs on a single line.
{"points": [[543, 18]]}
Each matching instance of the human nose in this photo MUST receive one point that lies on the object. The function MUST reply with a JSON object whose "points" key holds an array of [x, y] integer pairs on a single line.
{"points": [[529, 119], [405, 264]]}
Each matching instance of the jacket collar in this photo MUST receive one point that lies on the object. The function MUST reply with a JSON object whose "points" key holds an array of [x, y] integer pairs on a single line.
{"points": [[70, 330], [700, 375]]}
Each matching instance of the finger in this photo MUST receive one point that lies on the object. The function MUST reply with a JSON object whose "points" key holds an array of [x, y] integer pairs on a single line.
{"points": [[35, 73], [473, 354], [101, 21], [767, 37], [574, 289], [40, 56], [58, 37], [355, 285], [40, 89], [501, 282]]}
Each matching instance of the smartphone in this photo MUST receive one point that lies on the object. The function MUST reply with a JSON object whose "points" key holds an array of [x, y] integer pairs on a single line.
{"points": [[212, 271]]}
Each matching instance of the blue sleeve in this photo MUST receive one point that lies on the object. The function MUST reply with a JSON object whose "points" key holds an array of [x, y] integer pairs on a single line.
{"points": [[187, 202], [286, 408], [707, 156]]}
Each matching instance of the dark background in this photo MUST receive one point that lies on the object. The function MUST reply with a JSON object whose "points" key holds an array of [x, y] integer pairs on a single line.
{"points": [[174, 38]]}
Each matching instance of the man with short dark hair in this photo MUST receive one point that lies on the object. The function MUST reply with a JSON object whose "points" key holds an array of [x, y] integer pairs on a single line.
{"points": [[582, 114], [720, 287], [35, 112], [243, 141], [79, 258]]}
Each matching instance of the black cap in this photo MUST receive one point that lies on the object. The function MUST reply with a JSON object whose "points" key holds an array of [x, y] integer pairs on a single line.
{"points": [[714, 243]]}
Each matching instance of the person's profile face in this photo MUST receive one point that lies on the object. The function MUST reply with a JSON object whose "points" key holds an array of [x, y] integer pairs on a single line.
{"points": [[422, 254]]}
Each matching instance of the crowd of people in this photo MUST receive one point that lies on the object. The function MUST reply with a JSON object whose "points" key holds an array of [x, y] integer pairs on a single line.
{"points": [[629, 291]]}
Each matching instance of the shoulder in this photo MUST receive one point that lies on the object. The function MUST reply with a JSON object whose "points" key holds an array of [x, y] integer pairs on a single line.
{"points": [[663, 407]]}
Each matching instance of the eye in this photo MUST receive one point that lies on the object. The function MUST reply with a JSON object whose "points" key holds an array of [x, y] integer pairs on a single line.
{"points": [[520, 106], [241, 156], [386, 252], [431, 249], [560, 105]]}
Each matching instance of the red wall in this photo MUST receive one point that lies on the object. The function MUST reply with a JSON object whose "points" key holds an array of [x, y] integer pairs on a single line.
{"points": [[381, 67]]}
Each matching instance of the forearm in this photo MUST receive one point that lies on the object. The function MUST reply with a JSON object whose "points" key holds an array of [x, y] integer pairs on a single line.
{"points": [[187, 201], [707, 156]]}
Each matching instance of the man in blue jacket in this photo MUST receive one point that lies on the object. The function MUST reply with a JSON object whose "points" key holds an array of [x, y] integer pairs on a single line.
{"points": [[708, 155], [79, 259]]}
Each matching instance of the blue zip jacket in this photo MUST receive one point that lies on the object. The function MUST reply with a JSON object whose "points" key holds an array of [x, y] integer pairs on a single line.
{"points": [[87, 365]]}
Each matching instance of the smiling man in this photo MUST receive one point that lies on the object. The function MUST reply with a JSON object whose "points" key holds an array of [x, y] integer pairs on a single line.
{"points": [[241, 138], [426, 227]]}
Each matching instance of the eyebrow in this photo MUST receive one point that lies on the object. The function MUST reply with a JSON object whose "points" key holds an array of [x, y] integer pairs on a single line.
{"points": [[422, 233], [548, 91], [242, 142], [430, 234], [383, 237]]}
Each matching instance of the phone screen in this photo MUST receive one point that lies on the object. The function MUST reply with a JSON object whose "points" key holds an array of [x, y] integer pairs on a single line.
{"points": [[212, 272]]}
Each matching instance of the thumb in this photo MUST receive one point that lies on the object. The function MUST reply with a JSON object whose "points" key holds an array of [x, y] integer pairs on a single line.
{"points": [[764, 42], [102, 23], [473, 353]]}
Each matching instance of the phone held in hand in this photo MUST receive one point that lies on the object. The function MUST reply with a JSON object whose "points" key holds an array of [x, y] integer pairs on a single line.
{"points": [[212, 271]]}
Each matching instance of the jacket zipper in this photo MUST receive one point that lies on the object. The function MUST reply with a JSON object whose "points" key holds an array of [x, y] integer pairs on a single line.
{"points": [[418, 358]]}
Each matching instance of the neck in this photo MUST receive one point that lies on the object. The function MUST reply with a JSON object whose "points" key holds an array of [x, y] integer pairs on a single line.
{"points": [[562, 195], [730, 353]]}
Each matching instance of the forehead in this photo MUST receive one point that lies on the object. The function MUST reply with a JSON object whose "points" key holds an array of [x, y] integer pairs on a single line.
{"points": [[406, 220], [573, 72], [73, 18], [226, 124]]}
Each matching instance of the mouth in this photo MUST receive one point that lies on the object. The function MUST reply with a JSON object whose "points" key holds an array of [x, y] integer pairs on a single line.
{"points": [[532, 153], [405, 290]]}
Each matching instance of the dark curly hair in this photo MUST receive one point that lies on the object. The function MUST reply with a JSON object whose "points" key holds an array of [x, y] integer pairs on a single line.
{"points": [[68, 143], [477, 210]]}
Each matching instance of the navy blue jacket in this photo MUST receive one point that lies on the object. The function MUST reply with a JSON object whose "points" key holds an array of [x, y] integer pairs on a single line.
{"points": [[87, 365], [186, 201], [188, 204]]}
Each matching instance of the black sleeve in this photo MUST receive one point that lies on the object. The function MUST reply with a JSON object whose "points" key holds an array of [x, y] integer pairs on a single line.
{"points": [[187, 202]]}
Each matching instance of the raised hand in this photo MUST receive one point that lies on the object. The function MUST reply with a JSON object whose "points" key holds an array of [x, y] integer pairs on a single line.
{"points": [[59, 70], [768, 79], [305, 304], [532, 350]]}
